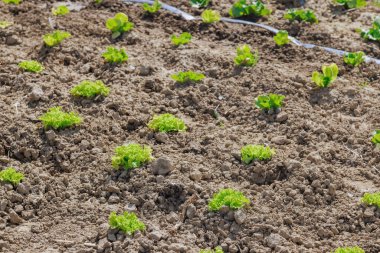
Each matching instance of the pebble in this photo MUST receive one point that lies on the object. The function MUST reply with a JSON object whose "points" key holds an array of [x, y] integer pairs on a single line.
{"points": [[155, 235], [368, 213], [161, 137], [191, 211], [103, 244], [12, 40], [36, 94], [113, 199], [280, 140], [196, 175], [240, 217], [282, 117], [23, 188], [274, 240], [14, 218], [162, 166]]}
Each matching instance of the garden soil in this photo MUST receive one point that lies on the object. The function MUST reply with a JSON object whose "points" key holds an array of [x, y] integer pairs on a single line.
{"points": [[306, 199]]}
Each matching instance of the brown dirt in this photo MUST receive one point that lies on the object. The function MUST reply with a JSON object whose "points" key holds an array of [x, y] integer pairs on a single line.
{"points": [[305, 200]]}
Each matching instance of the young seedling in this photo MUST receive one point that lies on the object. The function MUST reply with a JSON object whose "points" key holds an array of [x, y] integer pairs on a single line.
{"points": [[216, 250], [182, 39], [31, 66], [57, 119], [354, 59], [152, 8], [5, 24], [281, 38], [114, 55], [301, 15], [355, 249], [351, 4], [210, 16], [55, 38], [61, 10], [376, 137], [373, 33], [199, 3], [90, 89], [131, 156], [328, 76], [244, 56], [119, 24], [249, 7], [98, 1], [11, 176], [187, 77], [227, 197], [127, 223], [12, 1], [250, 153], [371, 199], [270, 101], [166, 123]]}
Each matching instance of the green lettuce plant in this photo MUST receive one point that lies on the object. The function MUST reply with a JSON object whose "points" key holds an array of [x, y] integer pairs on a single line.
{"points": [[166, 123], [182, 39], [119, 25], [127, 223], [187, 77], [376, 137], [131, 156], [11, 176], [250, 153], [355, 249], [329, 75], [152, 8], [90, 89], [12, 1], [60, 10], [249, 7], [281, 38], [5, 24], [372, 199], [55, 38], [373, 33], [245, 57], [216, 250], [354, 59], [351, 4], [31, 66], [270, 101], [114, 55], [228, 197], [57, 119], [199, 3], [210, 16], [301, 15]]}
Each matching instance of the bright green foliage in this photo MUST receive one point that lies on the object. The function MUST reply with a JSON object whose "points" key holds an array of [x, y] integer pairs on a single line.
{"points": [[10, 175], [244, 56], [182, 39], [249, 7], [251, 153], [187, 77], [281, 38], [328, 75], [60, 10], [355, 249], [199, 3], [127, 222], [55, 38], [270, 101], [57, 119], [301, 15], [12, 1], [89, 89], [373, 33], [98, 1], [216, 250], [354, 59], [351, 4], [228, 197], [167, 123], [119, 24], [152, 8], [31, 66], [372, 199], [5, 24], [376, 137], [131, 156], [114, 55], [210, 16]]}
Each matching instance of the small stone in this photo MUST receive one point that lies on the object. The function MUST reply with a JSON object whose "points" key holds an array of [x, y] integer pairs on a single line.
{"points": [[191, 211], [314, 157], [112, 189], [145, 70], [111, 236], [22, 188], [240, 217], [368, 213], [103, 244], [14, 218], [155, 235], [113, 199], [130, 208], [172, 217], [233, 248], [12, 40], [282, 117], [161, 137], [50, 135], [196, 175], [280, 140], [162, 166], [27, 214], [36, 94], [274, 240]]}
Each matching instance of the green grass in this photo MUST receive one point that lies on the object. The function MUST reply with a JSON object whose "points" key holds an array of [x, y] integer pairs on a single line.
{"points": [[55, 38], [57, 119], [371, 199], [216, 250], [131, 156], [10, 175], [31, 66], [90, 89], [114, 55], [355, 249], [228, 197], [126, 222], [251, 153], [167, 123], [187, 77]]}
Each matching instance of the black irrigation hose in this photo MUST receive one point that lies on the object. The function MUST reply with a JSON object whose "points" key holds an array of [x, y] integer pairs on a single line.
{"points": [[189, 17]]}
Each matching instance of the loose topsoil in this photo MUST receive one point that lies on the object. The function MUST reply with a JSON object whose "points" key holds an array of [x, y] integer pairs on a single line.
{"points": [[306, 199]]}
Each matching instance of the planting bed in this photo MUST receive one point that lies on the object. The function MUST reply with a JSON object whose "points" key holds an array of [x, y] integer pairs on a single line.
{"points": [[306, 199]]}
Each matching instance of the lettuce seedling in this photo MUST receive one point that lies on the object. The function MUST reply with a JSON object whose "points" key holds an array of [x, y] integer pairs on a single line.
{"points": [[57, 119], [31, 66], [5, 24], [244, 56], [281, 38], [354, 59], [376, 137], [131, 156], [90, 89], [152, 8], [328, 76], [270, 101], [301, 15], [249, 7], [216, 250], [60, 10], [372, 199], [199, 3], [119, 24], [127, 222], [10, 175], [210, 16], [228, 197], [166, 123], [98, 1], [182, 39], [373, 33], [250, 153], [12, 1], [351, 4], [55, 38], [355, 249], [114, 55], [187, 77]]}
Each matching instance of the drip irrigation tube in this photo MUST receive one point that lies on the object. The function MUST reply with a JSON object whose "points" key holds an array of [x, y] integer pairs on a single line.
{"points": [[189, 17]]}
